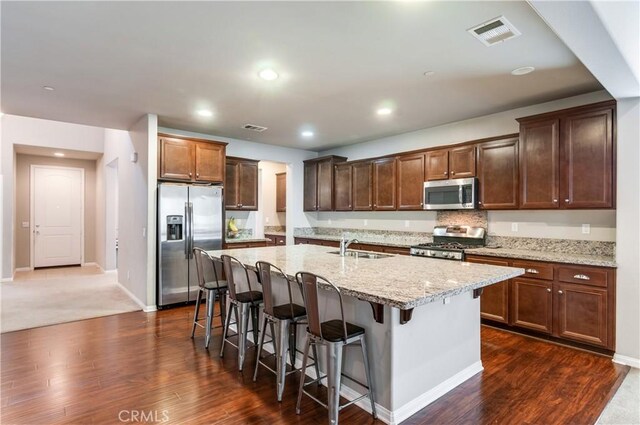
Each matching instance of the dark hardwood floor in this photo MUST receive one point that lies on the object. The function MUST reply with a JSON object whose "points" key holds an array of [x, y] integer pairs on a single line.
{"points": [[105, 370]]}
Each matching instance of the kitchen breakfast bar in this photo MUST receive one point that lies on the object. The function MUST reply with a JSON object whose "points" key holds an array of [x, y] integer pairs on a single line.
{"points": [[421, 316]]}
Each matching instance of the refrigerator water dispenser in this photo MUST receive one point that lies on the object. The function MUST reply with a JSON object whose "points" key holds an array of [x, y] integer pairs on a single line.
{"points": [[174, 227]]}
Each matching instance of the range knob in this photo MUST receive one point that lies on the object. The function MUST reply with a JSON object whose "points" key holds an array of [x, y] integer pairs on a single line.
{"points": [[432, 254], [446, 255]]}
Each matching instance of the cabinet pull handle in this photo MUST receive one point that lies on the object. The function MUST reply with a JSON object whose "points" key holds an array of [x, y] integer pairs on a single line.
{"points": [[581, 277], [548, 289], [560, 292], [532, 271]]}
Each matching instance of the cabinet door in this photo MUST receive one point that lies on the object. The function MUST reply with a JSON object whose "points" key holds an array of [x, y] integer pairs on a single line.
{"points": [[342, 187], [248, 185], [272, 240], [494, 301], [362, 186], [281, 192], [209, 162], [587, 160], [539, 164], [384, 184], [231, 201], [325, 185], [462, 162], [498, 175], [176, 159], [437, 165], [582, 313], [410, 182], [310, 202], [531, 303]]}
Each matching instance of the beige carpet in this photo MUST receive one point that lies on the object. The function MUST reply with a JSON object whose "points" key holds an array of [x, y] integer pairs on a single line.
{"points": [[48, 297], [624, 407]]}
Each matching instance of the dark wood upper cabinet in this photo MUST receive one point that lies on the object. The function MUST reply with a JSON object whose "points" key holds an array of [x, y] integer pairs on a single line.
{"points": [[343, 187], [587, 159], [318, 183], [452, 163], [437, 165], [539, 163], [567, 158], [193, 160], [532, 304], [462, 162], [281, 192], [384, 184], [209, 162], [498, 175], [362, 176], [241, 191], [410, 181]]}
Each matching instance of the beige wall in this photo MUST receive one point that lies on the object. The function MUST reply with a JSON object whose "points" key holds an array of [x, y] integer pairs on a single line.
{"points": [[268, 193], [22, 173]]}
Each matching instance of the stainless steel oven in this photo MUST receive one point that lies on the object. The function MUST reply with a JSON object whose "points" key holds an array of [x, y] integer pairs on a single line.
{"points": [[452, 194]]}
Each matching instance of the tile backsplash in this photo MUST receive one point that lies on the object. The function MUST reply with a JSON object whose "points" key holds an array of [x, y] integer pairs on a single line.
{"points": [[475, 218]]}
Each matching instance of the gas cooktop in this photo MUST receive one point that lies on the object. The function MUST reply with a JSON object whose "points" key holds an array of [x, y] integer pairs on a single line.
{"points": [[449, 242]]}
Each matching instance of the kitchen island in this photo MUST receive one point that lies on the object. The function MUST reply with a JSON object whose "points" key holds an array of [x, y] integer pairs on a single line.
{"points": [[425, 339]]}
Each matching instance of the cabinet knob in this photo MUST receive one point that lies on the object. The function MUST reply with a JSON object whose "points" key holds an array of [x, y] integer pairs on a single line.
{"points": [[445, 173], [479, 203], [548, 289], [453, 173], [566, 200], [555, 201], [560, 292], [190, 174], [349, 205], [197, 175]]}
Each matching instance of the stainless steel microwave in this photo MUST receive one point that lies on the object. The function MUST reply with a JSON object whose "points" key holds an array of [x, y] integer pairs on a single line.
{"points": [[452, 194]]}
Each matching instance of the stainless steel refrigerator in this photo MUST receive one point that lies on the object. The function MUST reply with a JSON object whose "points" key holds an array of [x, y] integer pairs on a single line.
{"points": [[188, 216]]}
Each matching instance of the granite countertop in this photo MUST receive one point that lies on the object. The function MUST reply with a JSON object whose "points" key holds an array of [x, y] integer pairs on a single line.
{"points": [[245, 240], [399, 281], [372, 240], [557, 257], [275, 233]]}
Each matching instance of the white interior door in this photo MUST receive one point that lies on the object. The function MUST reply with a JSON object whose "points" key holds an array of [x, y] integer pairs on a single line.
{"points": [[57, 200]]}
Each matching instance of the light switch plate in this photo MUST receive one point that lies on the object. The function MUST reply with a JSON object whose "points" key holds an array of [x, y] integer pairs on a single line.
{"points": [[407, 223], [514, 227], [366, 222]]}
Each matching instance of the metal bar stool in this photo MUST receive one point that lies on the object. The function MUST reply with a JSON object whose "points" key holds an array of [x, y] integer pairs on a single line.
{"points": [[334, 335], [213, 288], [243, 304], [286, 318]]}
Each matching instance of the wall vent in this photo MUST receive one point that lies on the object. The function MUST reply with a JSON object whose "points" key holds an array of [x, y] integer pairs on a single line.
{"points": [[254, 127], [494, 31]]}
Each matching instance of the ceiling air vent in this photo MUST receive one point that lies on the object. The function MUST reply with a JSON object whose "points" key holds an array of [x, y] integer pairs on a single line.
{"points": [[494, 31], [253, 127]]}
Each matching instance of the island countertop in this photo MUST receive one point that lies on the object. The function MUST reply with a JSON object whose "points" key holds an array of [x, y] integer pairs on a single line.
{"points": [[399, 281]]}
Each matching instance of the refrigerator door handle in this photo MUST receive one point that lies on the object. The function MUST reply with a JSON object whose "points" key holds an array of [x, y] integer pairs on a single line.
{"points": [[187, 230], [191, 230]]}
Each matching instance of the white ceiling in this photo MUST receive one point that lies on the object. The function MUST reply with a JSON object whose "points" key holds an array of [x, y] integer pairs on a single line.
{"points": [[111, 62]]}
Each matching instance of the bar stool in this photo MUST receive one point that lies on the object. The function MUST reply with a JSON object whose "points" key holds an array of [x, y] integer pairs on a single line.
{"points": [[286, 318], [213, 288], [243, 304], [334, 335]]}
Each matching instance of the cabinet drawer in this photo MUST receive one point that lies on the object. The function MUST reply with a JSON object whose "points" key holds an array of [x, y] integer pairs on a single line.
{"points": [[583, 275], [535, 270]]}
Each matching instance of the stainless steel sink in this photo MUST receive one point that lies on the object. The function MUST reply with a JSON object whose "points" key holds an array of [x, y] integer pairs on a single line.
{"points": [[362, 254]]}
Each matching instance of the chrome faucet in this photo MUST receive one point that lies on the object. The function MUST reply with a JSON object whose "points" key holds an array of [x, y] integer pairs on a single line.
{"points": [[344, 244]]}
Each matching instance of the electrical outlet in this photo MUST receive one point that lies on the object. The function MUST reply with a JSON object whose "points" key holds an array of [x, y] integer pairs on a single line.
{"points": [[446, 300], [407, 223], [586, 229], [266, 219], [329, 222], [366, 222], [128, 275], [144, 232], [514, 227]]}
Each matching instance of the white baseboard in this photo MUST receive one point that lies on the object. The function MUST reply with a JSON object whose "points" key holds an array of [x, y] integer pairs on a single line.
{"points": [[150, 308], [135, 299], [92, 264], [626, 360], [23, 269], [7, 279], [435, 393]]}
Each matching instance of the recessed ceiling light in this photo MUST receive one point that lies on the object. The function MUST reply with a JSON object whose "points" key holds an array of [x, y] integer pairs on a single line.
{"points": [[204, 113], [48, 88], [429, 73], [307, 133], [384, 111], [59, 154], [523, 70], [268, 74]]}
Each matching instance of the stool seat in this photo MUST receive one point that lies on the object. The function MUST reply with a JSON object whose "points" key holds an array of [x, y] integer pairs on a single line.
{"points": [[333, 330], [283, 312], [213, 285], [249, 296]]}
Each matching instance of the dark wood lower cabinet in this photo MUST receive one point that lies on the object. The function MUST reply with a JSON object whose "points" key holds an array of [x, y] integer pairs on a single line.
{"points": [[275, 240], [566, 302], [359, 246], [532, 304], [238, 245]]}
